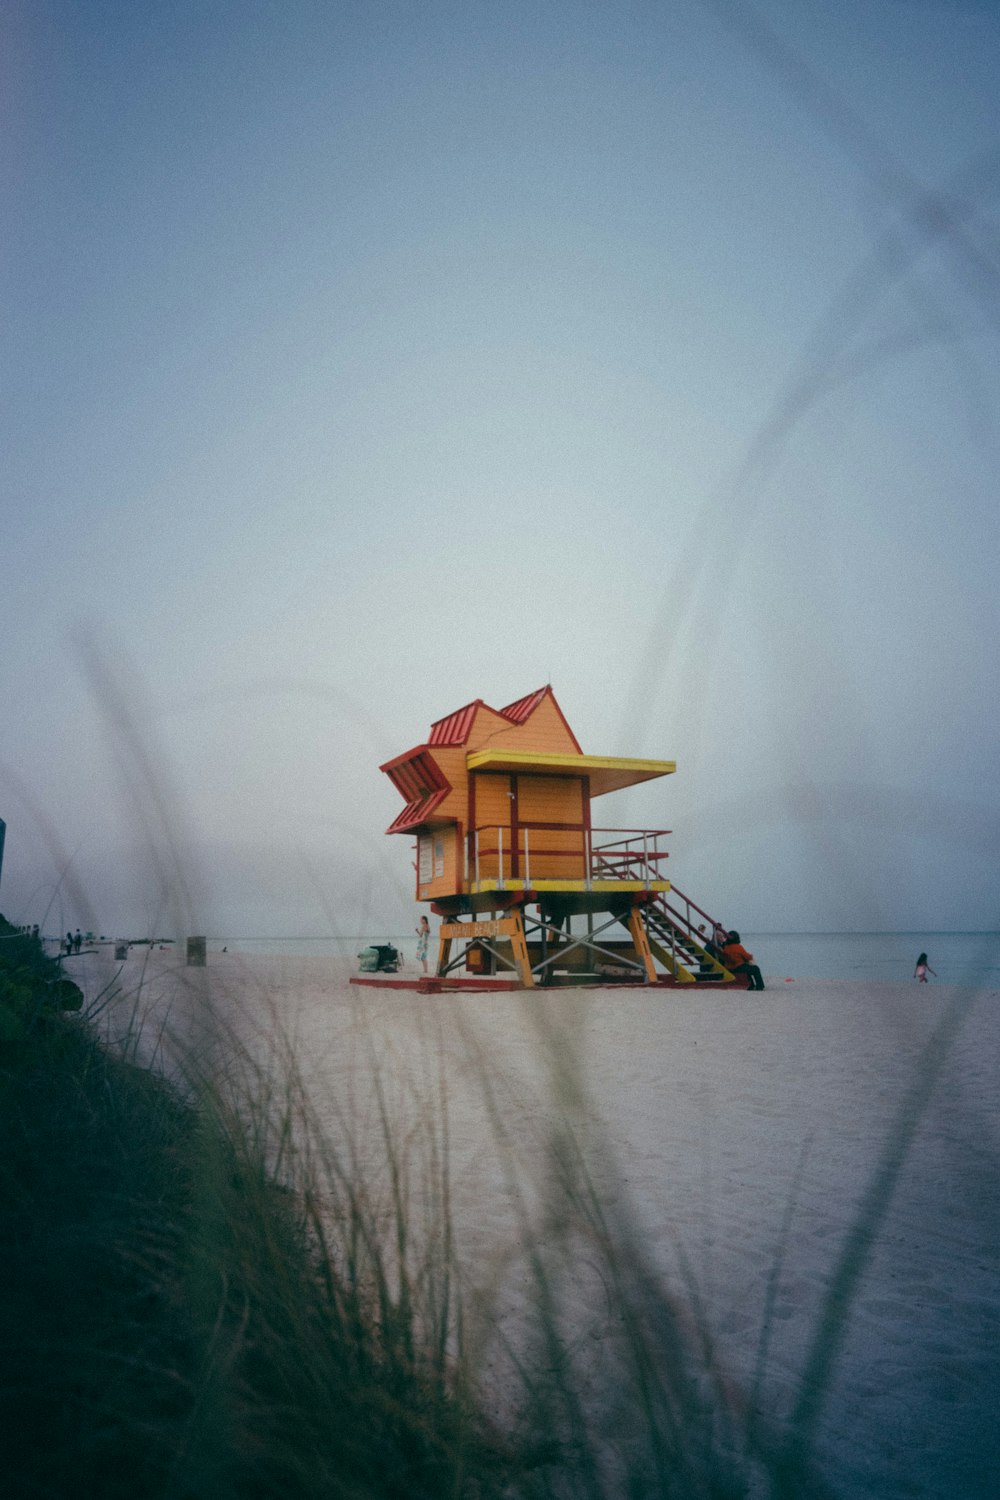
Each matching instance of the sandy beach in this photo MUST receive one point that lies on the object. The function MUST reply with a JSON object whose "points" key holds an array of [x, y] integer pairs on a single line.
{"points": [[734, 1136]]}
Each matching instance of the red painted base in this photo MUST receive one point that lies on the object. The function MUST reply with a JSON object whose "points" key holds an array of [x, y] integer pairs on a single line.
{"points": [[428, 984]]}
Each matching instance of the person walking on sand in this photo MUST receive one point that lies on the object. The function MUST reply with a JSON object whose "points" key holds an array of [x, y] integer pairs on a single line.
{"points": [[423, 937], [739, 961], [923, 969]]}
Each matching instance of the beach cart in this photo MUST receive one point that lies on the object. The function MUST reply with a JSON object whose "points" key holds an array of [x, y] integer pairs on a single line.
{"points": [[379, 958]]}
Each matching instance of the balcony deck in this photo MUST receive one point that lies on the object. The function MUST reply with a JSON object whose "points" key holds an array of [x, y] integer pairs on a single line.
{"points": [[602, 862]]}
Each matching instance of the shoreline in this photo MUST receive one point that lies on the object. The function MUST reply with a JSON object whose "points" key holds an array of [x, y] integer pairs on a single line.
{"points": [[966, 959]]}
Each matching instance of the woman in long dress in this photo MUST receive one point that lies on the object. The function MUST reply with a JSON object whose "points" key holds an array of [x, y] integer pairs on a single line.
{"points": [[423, 937]]}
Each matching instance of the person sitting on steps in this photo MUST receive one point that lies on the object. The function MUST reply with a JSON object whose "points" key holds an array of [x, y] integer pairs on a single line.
{"points": [[738, 961]]}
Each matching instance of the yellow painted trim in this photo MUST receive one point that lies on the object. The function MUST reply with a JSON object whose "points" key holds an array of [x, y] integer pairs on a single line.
{"points": [[608, 773], [669, 962]]}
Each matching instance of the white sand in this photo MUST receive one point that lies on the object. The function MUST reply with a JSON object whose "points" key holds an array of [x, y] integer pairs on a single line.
{"points": [[710, 1120]]}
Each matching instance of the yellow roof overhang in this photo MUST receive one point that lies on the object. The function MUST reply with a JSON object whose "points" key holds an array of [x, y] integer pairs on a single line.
{"points": [[608, 773]]}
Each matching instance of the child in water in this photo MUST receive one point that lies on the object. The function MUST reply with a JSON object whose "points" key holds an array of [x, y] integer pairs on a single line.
{"points": [[923, 969]]}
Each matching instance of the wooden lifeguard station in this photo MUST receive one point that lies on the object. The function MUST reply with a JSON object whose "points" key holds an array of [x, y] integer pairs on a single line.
{"points": [[508, 856]]}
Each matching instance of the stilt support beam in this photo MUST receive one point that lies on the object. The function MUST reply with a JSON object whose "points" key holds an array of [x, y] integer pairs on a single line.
{"points": [[637, 929]]}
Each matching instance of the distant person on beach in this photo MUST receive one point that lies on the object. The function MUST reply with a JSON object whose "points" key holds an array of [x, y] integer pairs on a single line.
{"points": [[423, 938], [705, 969], [77, 940], [739, 961], [923, 969], [69, 942], [714, 945]]}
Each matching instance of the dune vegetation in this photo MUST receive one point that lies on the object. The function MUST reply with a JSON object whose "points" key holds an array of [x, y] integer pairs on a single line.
{"points": [[204, 1298]]}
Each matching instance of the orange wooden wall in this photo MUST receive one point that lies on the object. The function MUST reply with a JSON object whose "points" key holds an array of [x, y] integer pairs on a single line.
{"points": [[444, 851]]}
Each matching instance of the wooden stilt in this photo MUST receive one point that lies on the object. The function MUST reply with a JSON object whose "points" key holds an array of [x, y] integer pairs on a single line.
{"points": [[520, 947], [637, 928]]}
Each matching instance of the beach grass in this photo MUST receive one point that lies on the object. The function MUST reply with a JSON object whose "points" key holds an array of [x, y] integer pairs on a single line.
{"points": [[214, 1291], [209, 1296], [177, 1320]]}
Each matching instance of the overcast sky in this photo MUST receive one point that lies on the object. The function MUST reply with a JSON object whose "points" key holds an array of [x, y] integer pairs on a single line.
{"points": [[363, 359]]}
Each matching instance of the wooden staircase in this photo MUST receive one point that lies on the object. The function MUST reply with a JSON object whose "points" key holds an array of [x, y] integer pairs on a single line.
{"points": [[676, 944]]}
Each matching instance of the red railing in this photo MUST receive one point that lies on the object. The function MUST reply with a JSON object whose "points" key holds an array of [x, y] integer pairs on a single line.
{"points": [[634, 854], [683, 913]]}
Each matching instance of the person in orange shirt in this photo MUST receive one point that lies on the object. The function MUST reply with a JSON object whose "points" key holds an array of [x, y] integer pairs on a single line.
{"points": [[739, 961]]}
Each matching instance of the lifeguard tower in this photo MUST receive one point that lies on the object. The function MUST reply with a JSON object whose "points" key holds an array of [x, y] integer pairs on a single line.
{"points": [[526, 885]]}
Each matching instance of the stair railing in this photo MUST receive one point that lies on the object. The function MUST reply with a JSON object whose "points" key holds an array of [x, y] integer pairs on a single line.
{"points": [[634, 855], [684, 922], [684, 918]]}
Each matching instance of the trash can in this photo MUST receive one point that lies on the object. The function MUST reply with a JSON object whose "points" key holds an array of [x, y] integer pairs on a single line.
{"points": [[196, 952], [121, 949]]}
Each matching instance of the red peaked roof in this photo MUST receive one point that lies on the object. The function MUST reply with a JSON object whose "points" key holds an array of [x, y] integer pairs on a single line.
{"points": [[524, 707], [420, 779], [417, 812], [454, 728]]}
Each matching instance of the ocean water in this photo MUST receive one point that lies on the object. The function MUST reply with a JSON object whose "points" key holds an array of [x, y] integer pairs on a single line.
{"points": [[971, 958]]}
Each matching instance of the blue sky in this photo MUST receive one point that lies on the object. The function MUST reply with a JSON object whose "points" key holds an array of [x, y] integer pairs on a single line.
{"points": [[360, 360]]}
